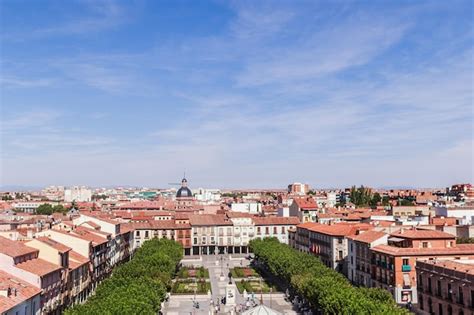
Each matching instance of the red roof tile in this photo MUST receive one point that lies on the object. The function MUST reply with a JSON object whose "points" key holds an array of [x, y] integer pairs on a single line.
{"points": [[56, 245], [38, 266], [460, 249], [368, 237], [306, 203], [276, 220], [15, 248], [24, 291], [422, 234]]}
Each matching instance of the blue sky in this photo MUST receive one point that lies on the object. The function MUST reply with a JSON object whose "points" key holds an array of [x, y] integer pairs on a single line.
{"points": [[237, 94]]}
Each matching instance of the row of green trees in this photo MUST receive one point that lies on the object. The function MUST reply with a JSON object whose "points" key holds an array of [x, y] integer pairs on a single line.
{"points": [[323, 287], [138, 286], [363, 197], [48, 209]]}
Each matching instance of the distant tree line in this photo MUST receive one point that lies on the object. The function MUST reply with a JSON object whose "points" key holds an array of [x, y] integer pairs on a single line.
{"points": [[48, 209], [138, 286], [327, 291]]}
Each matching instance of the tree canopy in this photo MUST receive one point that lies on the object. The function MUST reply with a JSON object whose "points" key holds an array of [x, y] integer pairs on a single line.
{"points": [[324, 288], [138, 286]]}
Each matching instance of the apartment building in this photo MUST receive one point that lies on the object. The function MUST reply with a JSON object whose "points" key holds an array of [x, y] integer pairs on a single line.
{"points": [[329, 242], [23, 262], [393, 265], [445, 287], [274, 227], [305, 209], [212, 234], [359, 264], [18, 297], [170, 229], [76, 268]]}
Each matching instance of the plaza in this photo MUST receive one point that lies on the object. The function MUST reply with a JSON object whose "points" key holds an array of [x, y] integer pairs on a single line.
{"points": [[219, 267]]}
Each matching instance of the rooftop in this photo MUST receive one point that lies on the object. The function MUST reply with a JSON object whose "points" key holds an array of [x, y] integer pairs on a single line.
{"points": [[24, 291], [422, 234], [56, 245], [461, 265], [369, 236], [38, 266], [15, 248], [460, 249]]}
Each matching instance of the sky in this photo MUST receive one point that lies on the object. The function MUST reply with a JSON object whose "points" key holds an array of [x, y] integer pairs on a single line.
{"points": [[237, 94]]}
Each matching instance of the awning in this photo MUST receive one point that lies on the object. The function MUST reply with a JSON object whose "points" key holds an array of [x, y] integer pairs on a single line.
{"points": [[396, 239]]}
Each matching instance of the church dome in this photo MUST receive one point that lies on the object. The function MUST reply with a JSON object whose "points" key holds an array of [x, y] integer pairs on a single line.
{"points": [[184, 191]]}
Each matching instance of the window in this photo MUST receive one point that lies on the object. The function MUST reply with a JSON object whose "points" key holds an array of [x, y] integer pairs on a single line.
{"points": [[425, 244], [406, 261], [259, 231], [460, 296], [146, 234], [267, 230], [420, 301], [450, 292], [438, 288], [339, 240], [275, 231], [351, 247], [137, 233], [282, 230], [440, 309], [340, 255]]}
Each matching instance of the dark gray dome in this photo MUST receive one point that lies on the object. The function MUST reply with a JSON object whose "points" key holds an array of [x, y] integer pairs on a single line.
{"points": [[184, 192]]}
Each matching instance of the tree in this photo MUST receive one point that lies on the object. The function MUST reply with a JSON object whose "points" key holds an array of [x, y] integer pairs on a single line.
{"points": [[59, 209], [323, 287], [44, 209]]}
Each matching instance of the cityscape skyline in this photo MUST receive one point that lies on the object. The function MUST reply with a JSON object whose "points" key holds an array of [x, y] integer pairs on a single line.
{"points": [[239, 94]]}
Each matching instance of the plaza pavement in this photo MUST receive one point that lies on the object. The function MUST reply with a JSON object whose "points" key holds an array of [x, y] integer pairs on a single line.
{"points": [[217, 264]]}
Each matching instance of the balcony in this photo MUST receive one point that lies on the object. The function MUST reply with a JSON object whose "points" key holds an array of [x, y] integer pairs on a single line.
{"points": [[406, 268]]}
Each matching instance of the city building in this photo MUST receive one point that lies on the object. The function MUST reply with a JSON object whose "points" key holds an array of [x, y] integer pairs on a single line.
{"points": [[359, 265], [18, 296], [248, 207], [298, 189], [305, 209], [77, 194], [445, 286], [393, 265]]}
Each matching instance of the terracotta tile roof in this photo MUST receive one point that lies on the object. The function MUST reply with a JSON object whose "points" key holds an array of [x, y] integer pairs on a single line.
{"points": [[92, 224], [276, 220], [87, 235], [24, 291], [208, 219], [142, 205], [340, 229], [460, 249], [15, 248], [56, 245], [306, 203], [76, 260], [38, 266], [422, 234], [460, 265], [368, 237], [306, 225], [236, 214], [443, 221]]}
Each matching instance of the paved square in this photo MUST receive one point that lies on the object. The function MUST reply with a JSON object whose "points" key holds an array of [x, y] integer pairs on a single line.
{"points": [[219, 265]]}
